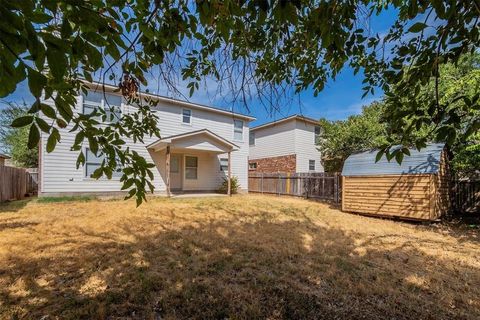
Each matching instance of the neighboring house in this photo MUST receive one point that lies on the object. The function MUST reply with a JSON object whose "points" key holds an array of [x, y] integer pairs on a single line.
{"points": [[4, 159], [287, 145], [198, 140]]}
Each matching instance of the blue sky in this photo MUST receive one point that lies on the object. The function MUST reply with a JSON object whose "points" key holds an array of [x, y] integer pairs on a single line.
{"points": [[340, 98]]}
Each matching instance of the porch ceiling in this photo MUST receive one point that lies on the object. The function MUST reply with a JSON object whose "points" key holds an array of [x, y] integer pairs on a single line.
{"points": [[203, 140]]}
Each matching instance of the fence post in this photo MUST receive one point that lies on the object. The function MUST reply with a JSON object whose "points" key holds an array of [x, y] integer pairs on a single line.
{"points": [[278, 183], [323, 186], [335, 187], [262, 183]]}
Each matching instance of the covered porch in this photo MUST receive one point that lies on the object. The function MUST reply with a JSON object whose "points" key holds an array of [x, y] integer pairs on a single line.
{"points": [[195, 161]]}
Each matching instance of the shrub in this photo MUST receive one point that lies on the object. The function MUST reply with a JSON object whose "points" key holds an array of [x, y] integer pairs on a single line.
{"points": [[224, 187]]}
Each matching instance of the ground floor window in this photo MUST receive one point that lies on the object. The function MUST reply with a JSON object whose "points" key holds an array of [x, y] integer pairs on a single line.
{"points": [[252, 165], [93, 162], [223, 164], [311, 165], [191, 168]]}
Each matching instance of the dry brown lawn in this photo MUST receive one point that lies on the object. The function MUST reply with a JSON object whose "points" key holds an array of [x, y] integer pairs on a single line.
{"points": [[244, 257]]}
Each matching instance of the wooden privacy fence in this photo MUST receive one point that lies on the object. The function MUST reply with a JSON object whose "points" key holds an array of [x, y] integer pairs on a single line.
{"points": [[466, 195], [309, 185], [16, 183]]}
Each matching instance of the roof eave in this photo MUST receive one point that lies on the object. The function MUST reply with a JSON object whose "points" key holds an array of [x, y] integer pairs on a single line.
{"points": [[175, 101]]}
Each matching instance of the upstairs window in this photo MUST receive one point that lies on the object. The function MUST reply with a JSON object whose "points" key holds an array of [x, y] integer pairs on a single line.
{"points": [[318, 132], [311, 165], [251, 139], [238, 130], [224, 164], [95, 100], [187, 116]]}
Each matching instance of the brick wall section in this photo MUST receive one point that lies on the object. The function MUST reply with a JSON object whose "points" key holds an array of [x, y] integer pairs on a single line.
{"points": [[284, 164]]}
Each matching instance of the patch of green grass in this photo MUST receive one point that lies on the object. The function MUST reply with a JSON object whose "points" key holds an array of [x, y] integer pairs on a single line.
{"points": [[65, 199]]}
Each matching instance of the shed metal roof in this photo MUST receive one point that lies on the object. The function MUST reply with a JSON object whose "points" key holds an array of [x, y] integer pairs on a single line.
{"points": [[425, 161]]}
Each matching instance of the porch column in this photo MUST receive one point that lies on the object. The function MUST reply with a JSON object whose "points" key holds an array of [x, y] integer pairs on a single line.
{"points": [[229, 173], [167, 162]]}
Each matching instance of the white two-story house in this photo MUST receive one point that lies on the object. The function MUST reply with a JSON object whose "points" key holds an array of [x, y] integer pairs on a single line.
{"points": [[287, 145], [197, 140]]}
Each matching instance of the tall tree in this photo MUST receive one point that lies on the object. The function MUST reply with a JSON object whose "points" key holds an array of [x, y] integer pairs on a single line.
{"points": [[267, 48], [341, 138], [15, 140], [376, 127]]}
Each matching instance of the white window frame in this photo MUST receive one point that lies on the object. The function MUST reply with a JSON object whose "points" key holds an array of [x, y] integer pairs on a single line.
{"points": [[252, 166], [103, 105], [251, 136], [196, 176], [310, 165], [115, 174], [223, 167], [315, 135], [190, 117], [237, 130]]}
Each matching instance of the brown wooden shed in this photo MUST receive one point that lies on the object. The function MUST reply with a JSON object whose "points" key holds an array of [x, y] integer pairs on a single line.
{"points": [[418, 189]]}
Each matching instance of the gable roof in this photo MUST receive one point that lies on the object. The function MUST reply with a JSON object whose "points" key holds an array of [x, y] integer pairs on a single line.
{"points": [[425, 161], [210, 134], [4, 156], [282, 120], [111, 88]]}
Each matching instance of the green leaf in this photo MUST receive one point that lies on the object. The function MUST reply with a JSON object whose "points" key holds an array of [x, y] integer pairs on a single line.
{"points": [[43, 125], [97, 173], [80, 159], [127, 184], [22, 121], [61, 123], [79, 138], [417, 27], [399, 157], [48, 111], [379, 155], [36, 82], [92, 142], [51, 143], [33, 137]]}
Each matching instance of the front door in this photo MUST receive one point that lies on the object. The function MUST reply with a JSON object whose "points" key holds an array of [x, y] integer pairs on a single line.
{"points": [[176, 172]]}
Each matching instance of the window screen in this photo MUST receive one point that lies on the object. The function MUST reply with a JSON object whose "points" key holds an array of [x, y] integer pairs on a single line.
{"points": [[238, 130], [191, 168]]}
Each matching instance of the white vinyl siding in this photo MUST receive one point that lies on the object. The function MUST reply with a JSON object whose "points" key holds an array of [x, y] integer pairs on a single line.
{"points": [[60, 174], [273, 141], [305, 147]]}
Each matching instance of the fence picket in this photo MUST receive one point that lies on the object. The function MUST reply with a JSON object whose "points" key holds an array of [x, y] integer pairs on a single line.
{"points": [[16, 183], [310, 185]]}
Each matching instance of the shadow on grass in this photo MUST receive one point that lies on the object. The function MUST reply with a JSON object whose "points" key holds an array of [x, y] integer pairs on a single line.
{"points": [[262, 269], [13, 206]]}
